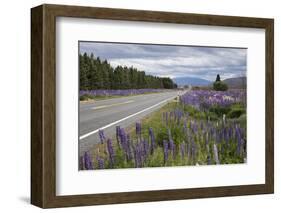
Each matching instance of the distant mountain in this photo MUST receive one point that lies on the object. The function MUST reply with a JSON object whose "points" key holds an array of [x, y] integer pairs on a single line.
{"points": [[239, 82], [182, 81]]}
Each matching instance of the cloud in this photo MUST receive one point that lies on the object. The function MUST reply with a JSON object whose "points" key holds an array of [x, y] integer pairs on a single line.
{"points": [[173, 61]]}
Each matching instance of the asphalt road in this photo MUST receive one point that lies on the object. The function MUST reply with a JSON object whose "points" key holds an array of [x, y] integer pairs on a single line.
{"points": [[107, 114]]}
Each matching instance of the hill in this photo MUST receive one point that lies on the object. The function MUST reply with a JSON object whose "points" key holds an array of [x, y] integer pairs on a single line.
{"points": [[182, 81], [239, 82]]}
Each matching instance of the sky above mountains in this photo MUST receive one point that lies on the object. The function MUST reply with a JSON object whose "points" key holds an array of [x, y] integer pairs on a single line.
{"points": [[172, 61]]}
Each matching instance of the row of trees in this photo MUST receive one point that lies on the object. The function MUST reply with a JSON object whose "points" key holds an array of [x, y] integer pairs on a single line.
{"points": [[98, 74]]}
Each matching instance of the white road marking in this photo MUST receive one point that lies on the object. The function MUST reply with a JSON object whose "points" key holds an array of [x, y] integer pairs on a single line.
{"points": [[123, 119], [110, 105]]}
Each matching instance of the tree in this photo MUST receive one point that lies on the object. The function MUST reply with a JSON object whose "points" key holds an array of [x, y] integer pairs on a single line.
{"points": [[83, 72], [218, 78], [96, 73], [218, 85]]}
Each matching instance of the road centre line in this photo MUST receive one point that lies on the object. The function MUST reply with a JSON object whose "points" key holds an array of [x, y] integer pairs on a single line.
{"points": [[123, 119]]}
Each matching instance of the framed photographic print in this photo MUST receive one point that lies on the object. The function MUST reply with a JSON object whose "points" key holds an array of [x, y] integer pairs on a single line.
{"points": [[136, 106]]}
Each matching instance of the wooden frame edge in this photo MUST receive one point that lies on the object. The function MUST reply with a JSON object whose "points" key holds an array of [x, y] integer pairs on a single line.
{"points": [[269, 118], [36, 106]]}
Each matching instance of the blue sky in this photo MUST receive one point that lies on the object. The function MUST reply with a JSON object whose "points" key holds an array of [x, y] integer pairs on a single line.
{"points": [[173, 61]]}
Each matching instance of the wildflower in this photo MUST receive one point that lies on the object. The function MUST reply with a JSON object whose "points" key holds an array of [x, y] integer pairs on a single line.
{"points": [[88, 161], [145, 149], [118, 135], [100, 162], [102, 136], [137, 155], [171, 144], [110, 152], [123, 138]]}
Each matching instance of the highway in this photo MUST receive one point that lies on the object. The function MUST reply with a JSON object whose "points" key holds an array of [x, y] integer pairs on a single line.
{"points": [[107, 114]]}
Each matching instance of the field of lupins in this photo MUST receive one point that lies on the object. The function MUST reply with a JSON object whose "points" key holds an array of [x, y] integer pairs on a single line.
{"points": [[121, 92], [202, 127]]}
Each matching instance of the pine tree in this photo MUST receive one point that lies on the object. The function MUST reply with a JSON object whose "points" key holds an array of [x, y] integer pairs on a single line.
{"points": [[218, 78], [97, 74]]}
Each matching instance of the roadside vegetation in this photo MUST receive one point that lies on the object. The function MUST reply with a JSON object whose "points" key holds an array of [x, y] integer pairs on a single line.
{"points": [[88, 95], [202, 127]]}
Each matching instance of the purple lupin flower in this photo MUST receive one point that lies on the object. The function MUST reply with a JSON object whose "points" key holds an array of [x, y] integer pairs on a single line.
{"points": [[225, 135], [102, 136], [171, 143], [138, 129], [237, 132], [185, 126], [145, 149], [166, 151], [88, 161], [110, 152], [239, 140], [152, 139], [123, 138], [172, 148], [137, 155], [194, 127], [178, 115], [239, 146], [202, 99], [100, 162]]}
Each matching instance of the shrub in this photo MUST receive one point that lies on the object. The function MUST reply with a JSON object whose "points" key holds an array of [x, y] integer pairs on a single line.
{"points": [[220, 111], [236, 113], [86, 97], [220, 86]]}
